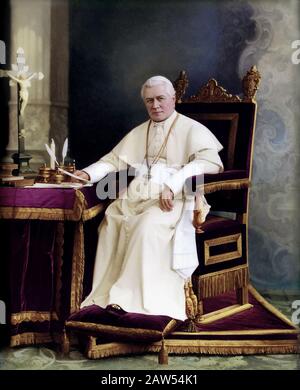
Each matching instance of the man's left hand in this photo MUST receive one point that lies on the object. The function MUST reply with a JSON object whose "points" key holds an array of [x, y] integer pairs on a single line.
{"points": [[166, 199]]}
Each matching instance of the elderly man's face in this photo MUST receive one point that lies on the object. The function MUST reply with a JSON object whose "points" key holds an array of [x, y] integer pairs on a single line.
{"points": [[160, 105]]}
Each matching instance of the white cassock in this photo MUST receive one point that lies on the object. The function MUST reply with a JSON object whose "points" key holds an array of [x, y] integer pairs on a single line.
{"points": [[145, 254]]}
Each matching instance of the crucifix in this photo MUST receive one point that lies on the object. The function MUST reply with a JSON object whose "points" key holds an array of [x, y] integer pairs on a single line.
{"points": [[20, 76]]}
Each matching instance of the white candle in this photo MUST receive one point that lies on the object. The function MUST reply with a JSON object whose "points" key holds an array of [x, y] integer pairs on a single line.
{"points": [[52, 147]]}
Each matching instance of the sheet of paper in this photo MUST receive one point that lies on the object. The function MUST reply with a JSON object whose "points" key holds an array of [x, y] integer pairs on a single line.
{"points": [[61, 185], [74, 176]]}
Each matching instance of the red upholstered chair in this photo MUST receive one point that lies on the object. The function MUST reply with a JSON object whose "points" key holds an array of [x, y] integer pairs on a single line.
{"points": [[222, 240]]}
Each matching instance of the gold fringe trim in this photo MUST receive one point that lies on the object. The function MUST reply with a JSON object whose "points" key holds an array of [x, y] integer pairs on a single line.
{"points": [[92, 212], [232, 347], [77, 269], [238, 332], [34, 316], [59, 250], [46, 213], [220, 282], [271, 308], [39, 213], [33, 338], [235, 184], [56, 214], [114, 349]]}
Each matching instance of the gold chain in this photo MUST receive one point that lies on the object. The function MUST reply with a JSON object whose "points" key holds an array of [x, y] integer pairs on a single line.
{"points": [[162, 148]]}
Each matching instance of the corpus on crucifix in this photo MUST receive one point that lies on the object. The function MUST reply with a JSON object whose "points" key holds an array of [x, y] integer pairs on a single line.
{"points": [[21, 77]]}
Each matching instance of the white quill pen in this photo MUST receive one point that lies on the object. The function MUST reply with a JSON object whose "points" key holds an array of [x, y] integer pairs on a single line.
{"points": [[52, 155], [64, 151]]}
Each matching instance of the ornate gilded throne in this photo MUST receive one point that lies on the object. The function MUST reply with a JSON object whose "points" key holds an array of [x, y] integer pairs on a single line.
{"points": [[222, 276], [221, 244], [222, 239]]}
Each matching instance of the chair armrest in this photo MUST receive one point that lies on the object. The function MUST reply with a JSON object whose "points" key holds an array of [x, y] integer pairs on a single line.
{"points": [[227, 180]]}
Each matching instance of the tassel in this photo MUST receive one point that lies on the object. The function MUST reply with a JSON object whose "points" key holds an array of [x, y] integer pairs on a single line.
{"points": [[191, 327], [163, 354], [193, 298], [189, 307], [197, 221]]}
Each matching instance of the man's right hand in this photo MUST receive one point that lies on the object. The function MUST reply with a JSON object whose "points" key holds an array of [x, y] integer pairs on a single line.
{"points": [[82, 174], [166, 199]]}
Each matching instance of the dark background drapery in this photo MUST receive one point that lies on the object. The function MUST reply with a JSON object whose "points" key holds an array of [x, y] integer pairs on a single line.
{"points": [[115, 46]]}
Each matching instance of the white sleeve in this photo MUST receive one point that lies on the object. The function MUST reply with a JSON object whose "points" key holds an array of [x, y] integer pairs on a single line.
{"points": [[195, 167], [98, 170], [108, 163]]}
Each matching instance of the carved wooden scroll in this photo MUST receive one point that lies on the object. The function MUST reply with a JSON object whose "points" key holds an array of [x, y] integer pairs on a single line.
{"points": [[212, 92]]}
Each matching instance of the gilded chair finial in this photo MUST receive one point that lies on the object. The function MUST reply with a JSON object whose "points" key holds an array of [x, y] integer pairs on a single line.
{"points": [[180, 86], [250, 84]]}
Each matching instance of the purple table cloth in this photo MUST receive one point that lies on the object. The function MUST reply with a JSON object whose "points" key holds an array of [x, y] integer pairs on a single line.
{"points": [[49, 237]]}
